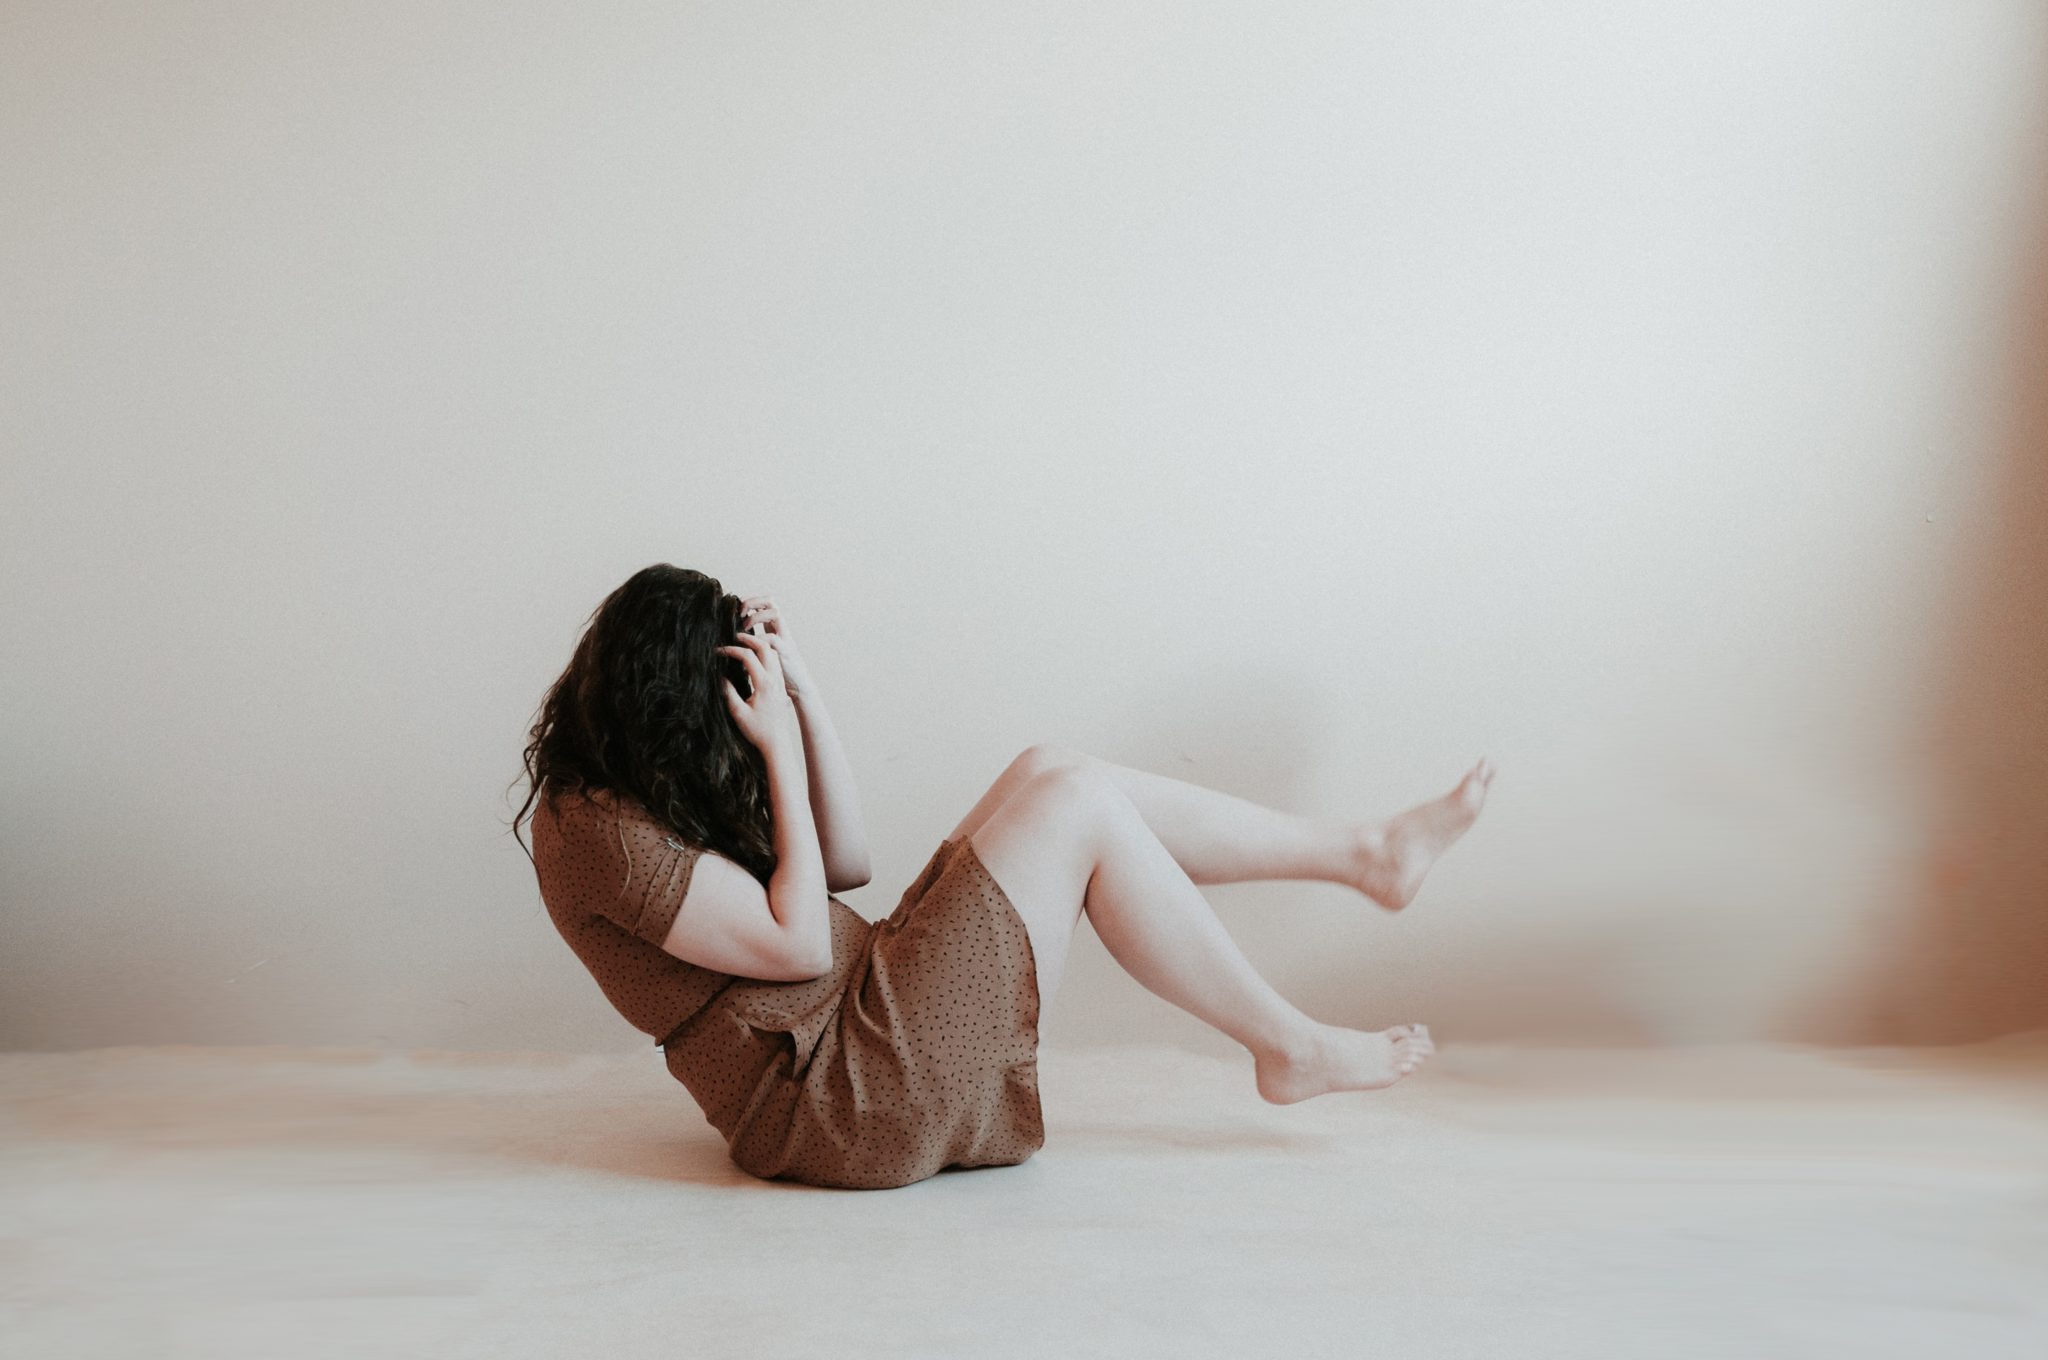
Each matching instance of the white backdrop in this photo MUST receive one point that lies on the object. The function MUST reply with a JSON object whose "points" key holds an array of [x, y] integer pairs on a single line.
{"points": [[1301, 399]]}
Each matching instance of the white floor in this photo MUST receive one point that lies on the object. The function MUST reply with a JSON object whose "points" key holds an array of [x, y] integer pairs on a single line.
{"points": [[1523, 1202]]}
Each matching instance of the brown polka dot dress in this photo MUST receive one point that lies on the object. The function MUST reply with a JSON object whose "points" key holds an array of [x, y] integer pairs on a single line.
{"points": [[916, 1053]]}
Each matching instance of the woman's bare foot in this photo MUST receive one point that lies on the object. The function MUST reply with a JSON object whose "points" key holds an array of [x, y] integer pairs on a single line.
{"points": [[1332, 1058], [1394, 855]]}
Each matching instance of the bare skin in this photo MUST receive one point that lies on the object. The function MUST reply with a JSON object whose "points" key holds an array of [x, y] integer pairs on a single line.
{"points": [[1064, 832]]}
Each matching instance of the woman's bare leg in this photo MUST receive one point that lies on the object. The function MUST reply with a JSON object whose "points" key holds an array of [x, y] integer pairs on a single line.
{"points": [[1217, 837], [1068, 840]]}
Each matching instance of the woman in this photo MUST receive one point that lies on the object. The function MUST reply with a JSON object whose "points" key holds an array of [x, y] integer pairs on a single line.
{"points": [[689, 839]]}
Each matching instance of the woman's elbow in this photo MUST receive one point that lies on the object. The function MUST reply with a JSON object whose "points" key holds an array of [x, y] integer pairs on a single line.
{"points": [[845, 878]]}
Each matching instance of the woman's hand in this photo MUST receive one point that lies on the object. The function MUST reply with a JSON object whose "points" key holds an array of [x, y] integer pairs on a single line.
{"points": [[768, 716], [759, 613]]}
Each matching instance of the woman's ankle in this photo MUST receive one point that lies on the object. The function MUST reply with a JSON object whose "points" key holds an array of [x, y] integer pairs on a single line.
{"points": [[1288, 1046]]}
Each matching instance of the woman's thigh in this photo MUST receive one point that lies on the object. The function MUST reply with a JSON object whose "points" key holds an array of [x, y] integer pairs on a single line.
{"points": [[1041, 845]]}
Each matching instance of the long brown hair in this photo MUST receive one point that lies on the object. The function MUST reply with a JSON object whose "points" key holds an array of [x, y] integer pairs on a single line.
{"points": [[640, 711]]}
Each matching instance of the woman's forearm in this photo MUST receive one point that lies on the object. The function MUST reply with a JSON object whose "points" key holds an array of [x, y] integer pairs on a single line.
{"points": [[797, 889], [835, 801]]}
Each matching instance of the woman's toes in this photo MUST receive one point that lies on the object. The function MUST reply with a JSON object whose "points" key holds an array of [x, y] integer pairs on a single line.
{"points": [[1410, 1047]]}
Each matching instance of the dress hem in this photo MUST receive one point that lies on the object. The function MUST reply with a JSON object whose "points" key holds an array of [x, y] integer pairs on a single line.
{"points": [[1031, 957]]}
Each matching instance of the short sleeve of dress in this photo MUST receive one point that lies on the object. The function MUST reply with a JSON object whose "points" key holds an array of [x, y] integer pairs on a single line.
{"points": [[659, 867]]}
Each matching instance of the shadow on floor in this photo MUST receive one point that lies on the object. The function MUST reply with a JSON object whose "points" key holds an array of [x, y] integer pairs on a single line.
{"points": [[570, 1111]]}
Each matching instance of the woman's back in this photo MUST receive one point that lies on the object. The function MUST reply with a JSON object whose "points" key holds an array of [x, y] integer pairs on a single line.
{"points": [[613, 879]]}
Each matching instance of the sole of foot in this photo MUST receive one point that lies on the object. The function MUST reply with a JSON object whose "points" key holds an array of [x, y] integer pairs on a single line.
{"points": [[1396, 855]]}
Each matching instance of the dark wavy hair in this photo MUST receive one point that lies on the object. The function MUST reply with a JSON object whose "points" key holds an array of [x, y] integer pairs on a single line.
{"points": [[640, 711]]}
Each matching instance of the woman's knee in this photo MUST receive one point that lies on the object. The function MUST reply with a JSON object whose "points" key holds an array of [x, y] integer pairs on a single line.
{"points": [[1076, 791], [1043, 757]]}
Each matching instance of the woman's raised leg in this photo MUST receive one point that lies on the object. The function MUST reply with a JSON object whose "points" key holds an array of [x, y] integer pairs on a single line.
{"points": [[1217, 837], [1068, 839]]}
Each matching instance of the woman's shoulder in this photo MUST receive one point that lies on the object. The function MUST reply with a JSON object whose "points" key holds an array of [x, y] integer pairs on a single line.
{"points": [[586, 800], [591, 831], [614, 812], [569, 813]]}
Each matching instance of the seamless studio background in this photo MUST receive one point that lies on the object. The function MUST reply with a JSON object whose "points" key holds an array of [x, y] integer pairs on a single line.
{"points": [[1298, 399]]}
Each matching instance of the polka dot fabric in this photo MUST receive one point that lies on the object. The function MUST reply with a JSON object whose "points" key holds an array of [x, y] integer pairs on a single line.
{"points": [[917, 1053]]}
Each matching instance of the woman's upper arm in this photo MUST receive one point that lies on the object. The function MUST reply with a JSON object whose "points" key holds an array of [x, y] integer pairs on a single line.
{"points": [[684, 898], [724, 922]]}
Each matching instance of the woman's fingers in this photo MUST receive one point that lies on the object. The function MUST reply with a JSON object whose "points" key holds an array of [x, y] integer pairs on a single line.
{"points": [[760, 609], [764, 646], [757, 674], [763, 662]]}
